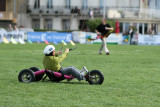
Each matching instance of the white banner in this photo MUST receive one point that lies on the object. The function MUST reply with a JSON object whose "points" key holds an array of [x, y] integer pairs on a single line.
{"points": [[113, 39], [148, 40], [14, 34], [81, 37], [1, 36]]}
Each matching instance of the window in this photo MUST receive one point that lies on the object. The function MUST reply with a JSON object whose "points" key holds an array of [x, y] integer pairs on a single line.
{"points": [[36, 24], [121, 27], [123, 3], [68, 4], [156, 28], [37, 4], [84, 4], [3, 5], [48, 24], [135, 3], [66, 24], [126, 27], [140, 28], [101, 3], [49, 4], [151, 4], [157, 4], [111, 3]]}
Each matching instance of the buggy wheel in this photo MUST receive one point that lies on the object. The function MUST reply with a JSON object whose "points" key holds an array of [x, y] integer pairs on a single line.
{"points": [[38, 77], [26, 75], [34, 69], [95, 77]]}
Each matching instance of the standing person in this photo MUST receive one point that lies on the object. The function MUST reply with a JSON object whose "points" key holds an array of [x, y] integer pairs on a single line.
{"points": [[10, 28], [131, 32], [151, 31], [15, 28], [52, 60], [102, 30]]}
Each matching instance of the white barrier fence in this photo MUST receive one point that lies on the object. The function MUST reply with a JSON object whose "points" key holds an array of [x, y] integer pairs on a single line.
{"points": [[1, 37], [14, 34], [148, 40], [81, 37]]}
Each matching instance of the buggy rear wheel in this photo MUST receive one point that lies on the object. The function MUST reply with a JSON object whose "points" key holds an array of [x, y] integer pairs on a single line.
{"points": [[37, 77], [95, 77], [34, 69], [26, 75]]}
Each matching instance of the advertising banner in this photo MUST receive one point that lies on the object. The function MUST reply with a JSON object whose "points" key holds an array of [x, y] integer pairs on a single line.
{"points": [[14, 34], [112, 39], [79, 37], [50, 37], [1, 37], [36, 36], [148, 40]]}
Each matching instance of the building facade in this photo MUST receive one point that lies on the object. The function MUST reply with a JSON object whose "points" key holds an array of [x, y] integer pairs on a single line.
{"points": [[72, 14], [9, 11]]}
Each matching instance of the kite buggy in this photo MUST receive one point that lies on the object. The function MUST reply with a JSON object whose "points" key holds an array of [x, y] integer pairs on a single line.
{"points": [[35, 74]]}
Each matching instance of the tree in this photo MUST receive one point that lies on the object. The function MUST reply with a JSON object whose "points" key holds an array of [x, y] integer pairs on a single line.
{"points": [[93, 23]]}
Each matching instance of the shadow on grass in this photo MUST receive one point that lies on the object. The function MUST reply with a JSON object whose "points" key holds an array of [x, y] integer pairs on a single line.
{"points": [[65, 82]]}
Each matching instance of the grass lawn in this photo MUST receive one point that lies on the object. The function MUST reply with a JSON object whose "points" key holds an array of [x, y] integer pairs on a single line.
{"points": [[132, 77]]}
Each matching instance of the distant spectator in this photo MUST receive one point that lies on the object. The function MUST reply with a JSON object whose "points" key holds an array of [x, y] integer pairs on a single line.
{"points": [[151, 31], [21, 26], [15, 28], [131, 32], [75, 10], [91, 13], [10, 28]]}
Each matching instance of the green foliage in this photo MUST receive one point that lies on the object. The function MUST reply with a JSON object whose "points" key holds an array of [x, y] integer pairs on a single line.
{"points": [[93, 23], [134, 28], [131, 77]]}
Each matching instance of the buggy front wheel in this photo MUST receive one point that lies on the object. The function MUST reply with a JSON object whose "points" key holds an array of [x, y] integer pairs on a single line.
{"points": [[95, 77]]}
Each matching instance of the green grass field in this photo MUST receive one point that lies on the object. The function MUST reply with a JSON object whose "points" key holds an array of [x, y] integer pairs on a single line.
{"points": [[132, 77]]}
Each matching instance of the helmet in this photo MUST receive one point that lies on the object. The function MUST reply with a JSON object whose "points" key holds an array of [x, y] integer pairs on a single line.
{"points": [[48, 49]]}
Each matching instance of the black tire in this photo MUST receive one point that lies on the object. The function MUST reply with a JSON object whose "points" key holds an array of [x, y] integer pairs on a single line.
{"points": [[95, 77], [34, 69], [39, 77], [26, 75]]}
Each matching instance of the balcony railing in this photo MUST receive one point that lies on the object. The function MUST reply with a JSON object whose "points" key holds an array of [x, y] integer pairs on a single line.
{"points": [[111, 12], [6, 16]]}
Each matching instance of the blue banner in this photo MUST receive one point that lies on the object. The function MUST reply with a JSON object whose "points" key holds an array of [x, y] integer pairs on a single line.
{"points": [[50, 37]]}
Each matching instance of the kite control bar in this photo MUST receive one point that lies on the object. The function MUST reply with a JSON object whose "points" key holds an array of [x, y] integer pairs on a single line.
{"points": [[72, 48]]}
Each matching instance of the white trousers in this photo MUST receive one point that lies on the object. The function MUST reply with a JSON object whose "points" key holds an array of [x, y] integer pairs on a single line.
{"points": [[104, 46]]}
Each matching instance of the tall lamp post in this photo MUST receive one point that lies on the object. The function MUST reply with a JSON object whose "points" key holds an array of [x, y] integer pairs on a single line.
{"points": [[104, 8], [14, 11]]}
